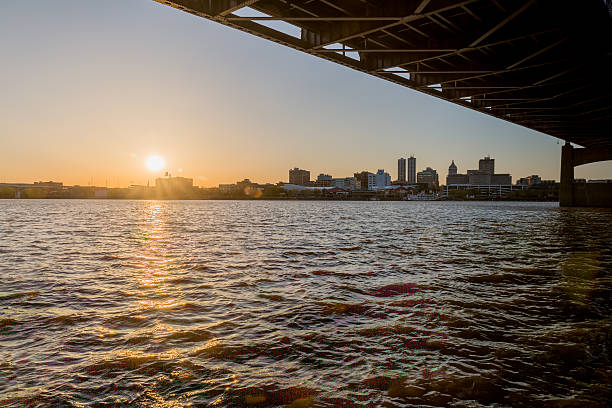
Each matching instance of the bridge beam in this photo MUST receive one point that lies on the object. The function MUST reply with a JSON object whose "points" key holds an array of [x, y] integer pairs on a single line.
{"points": [[569, 194]]}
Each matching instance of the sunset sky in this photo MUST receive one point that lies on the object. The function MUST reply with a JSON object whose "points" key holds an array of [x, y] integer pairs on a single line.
{"points": [[89, 90]]}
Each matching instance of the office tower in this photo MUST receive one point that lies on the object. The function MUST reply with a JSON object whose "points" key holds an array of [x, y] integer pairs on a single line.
{"points": [[401, 170], [411, 179], [487, 165]]}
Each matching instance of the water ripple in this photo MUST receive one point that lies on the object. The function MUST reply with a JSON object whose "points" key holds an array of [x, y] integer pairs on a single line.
{"points": [[304, 304]]}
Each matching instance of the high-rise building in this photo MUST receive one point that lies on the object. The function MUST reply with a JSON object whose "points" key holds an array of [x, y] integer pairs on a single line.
{"points": [[299, 177], [487, 165], [411, 178], [428, 176], [401, 170]]}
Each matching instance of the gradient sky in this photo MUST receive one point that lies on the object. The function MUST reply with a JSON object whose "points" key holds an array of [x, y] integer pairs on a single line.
{"points": [[89, 89]]}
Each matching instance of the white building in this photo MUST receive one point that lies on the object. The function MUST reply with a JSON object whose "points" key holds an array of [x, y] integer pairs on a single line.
{"points": [[371, 181], [383, 179]]}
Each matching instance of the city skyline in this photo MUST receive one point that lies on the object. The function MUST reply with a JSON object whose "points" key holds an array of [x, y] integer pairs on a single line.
{"points": [[300, 176], [91, 108]]}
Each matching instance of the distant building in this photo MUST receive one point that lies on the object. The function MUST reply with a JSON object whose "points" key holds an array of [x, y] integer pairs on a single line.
{"points": [[481, 191], [479, 177], [452, 169], [487, 165], [529, 180], [346, 183], [50, 184], [501, 179], [484, 176], [246, 183], [174, 184], [382, 179], [411, 177], [299, 177], [366, 180], [453, 179], [401, 170], [101, 192], [428, 176], [227, 188], [323, 180]]}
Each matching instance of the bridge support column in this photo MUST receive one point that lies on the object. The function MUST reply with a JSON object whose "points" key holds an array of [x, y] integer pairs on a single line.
{"points": [[566, 189], [583, 194]]}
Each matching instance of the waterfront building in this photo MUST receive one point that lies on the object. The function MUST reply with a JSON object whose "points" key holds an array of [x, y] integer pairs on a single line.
{"points": [[411, 176], [174, 184], [479, 177], [49, 184], [452, 169], [345, 183], [503, 179], [483, 191], [366, 180], [401, 170], [529, 180], [101, 192], [428, 176], [323, 180], [457, 179], [453, 177], [299, 177], [246, 183], [382, 179], [227, 188], [487, 165], [484, 176]]}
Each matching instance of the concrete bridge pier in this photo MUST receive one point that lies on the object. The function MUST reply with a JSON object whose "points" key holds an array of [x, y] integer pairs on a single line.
{"points": [[582, 194]]}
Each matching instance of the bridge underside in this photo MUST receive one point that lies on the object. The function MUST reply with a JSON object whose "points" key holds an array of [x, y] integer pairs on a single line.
{"points": [[542, 64]]}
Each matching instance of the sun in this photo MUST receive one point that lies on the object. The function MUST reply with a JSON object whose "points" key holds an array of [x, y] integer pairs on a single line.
{"points": [[156, 163]]}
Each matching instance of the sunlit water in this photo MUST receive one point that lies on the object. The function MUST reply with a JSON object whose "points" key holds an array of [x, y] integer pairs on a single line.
{"points": [[304, 304]]}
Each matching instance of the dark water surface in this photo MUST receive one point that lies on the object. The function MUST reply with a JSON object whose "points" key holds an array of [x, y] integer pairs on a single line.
{"points": [[304, 304]]}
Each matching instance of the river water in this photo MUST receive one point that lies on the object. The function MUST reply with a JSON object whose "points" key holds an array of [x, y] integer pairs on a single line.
{"points": [[304, 304]]}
